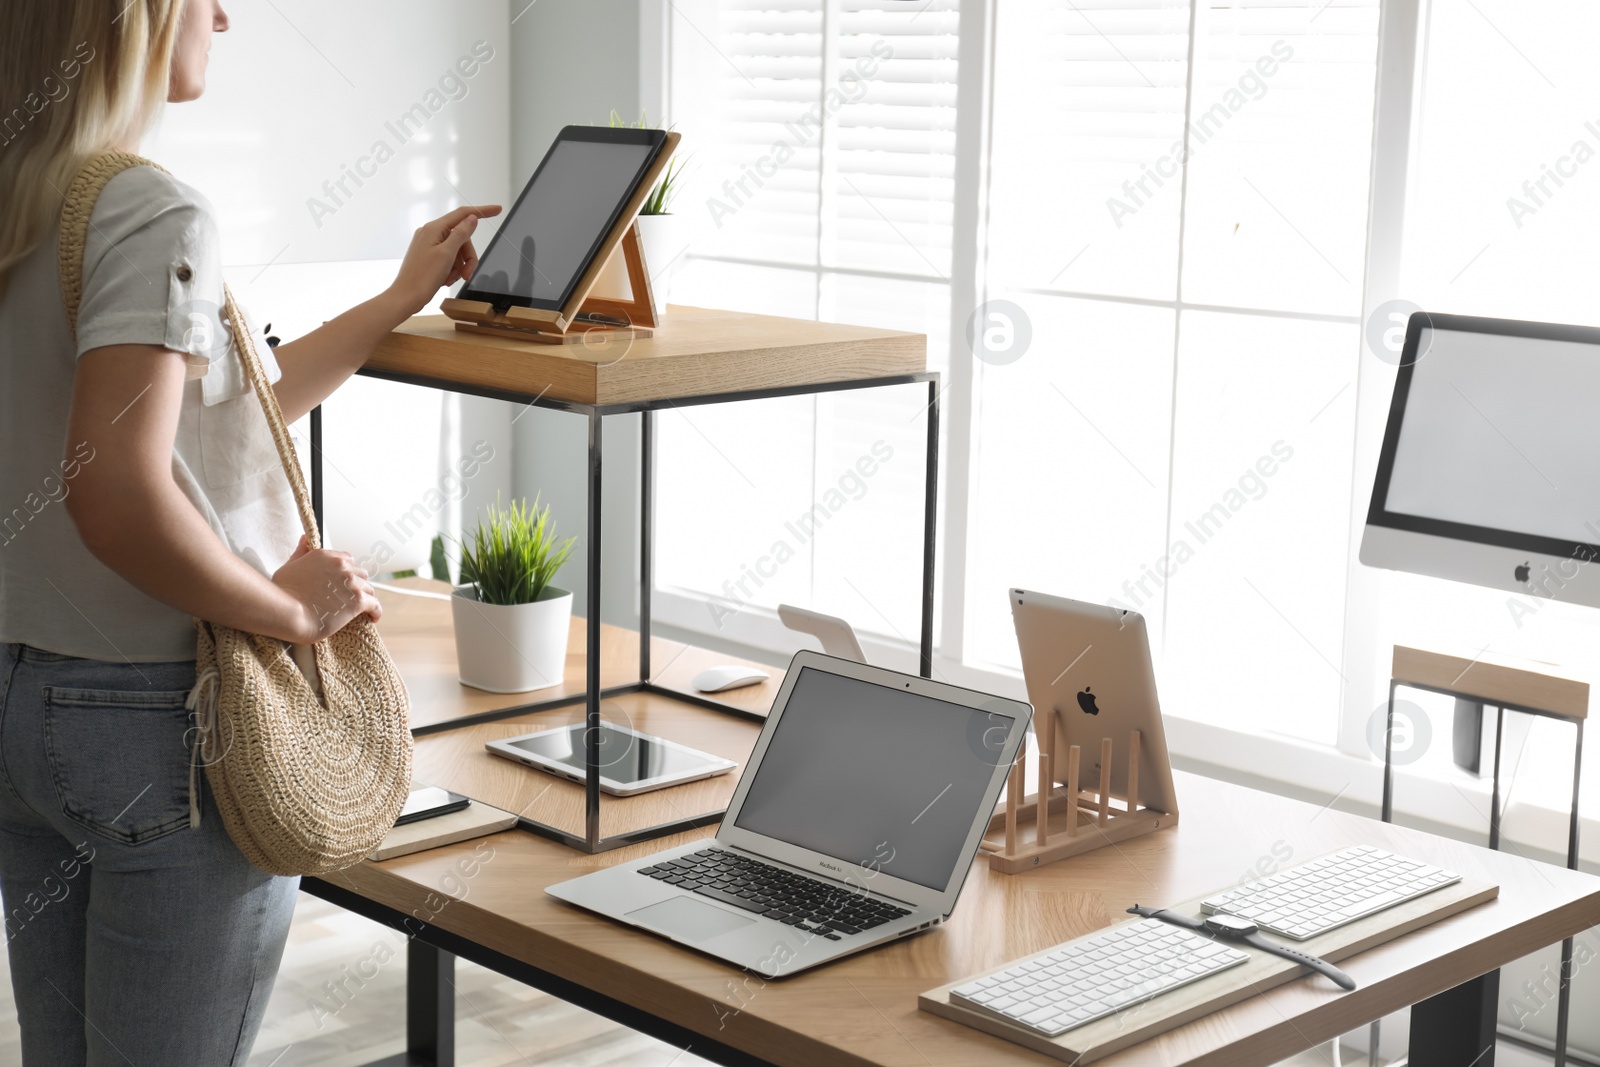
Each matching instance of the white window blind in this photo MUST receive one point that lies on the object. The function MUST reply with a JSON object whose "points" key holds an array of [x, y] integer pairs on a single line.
{"points": [[1088, 105], [820, 186], [1189, 340]]}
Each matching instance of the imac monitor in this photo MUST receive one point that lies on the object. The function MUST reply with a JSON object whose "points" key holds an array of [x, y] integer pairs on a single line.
{"points": [[1490, 468]]}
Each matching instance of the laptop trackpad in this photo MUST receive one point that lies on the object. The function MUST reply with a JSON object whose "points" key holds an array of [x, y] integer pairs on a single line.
{"points": [[688, 919]]}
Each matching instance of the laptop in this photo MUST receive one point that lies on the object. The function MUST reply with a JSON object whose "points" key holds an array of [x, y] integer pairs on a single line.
{"points": [[1088, 668], [854, 823]]}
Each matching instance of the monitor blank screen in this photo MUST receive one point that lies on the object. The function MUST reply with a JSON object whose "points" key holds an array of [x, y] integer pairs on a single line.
{"points": [[543, 245], [1501, 432], [872, 775]]}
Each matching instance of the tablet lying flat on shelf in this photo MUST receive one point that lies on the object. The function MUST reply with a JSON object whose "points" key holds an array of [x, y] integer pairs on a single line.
{"points": [[564, 218], [630, 762]]}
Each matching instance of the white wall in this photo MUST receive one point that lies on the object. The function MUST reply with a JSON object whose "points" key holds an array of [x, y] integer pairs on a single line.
{"points": [[576, 61], [302, 144]]}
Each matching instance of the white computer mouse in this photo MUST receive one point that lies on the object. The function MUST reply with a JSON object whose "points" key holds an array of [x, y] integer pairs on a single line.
{"points": [[717, 679]]}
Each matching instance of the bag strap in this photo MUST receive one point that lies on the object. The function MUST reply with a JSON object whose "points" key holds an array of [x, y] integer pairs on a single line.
{"points": [[280, 431], [81, 196]]}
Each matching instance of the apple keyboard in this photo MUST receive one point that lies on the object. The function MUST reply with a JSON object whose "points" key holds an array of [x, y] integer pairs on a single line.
{"points": [[1319, 896], [1096, 976]]}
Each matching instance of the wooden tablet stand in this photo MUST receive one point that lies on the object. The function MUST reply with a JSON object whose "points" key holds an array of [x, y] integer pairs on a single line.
{"points": [[583, 315], [1075, 821], [618, 318]]}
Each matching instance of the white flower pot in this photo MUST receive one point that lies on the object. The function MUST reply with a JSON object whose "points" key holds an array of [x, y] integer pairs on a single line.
{"points": [[664, 239], [511, 648], [612, 281]]}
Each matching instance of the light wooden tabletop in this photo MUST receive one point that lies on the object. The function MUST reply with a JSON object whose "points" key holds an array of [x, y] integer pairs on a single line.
{"points": [[863, 1009], [417, 628], [694, 352], [1495, 678]]}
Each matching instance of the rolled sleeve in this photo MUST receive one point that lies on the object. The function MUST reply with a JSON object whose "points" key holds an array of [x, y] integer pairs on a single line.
{"points": [[152, 271]]}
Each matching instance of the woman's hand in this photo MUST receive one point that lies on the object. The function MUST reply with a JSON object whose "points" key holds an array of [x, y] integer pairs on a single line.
{"points": [[331, 589], [315, 365], [441, 254]]}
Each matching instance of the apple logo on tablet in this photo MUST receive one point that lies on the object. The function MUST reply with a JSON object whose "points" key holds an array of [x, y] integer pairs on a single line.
{"points": [[1521, 573], [1086, 702]]}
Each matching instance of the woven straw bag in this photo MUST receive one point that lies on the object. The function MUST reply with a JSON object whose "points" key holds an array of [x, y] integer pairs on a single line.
{"points": [[306, 783]]}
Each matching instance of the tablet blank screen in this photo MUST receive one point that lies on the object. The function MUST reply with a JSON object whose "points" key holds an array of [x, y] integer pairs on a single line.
{"points": [[544, 244]]}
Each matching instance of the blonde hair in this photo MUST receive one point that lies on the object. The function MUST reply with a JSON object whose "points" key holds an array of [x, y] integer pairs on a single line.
{"points": [[76, 79]]}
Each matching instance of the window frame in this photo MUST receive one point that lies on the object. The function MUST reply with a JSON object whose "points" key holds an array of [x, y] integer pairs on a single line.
{"points": [[1347, 769]]}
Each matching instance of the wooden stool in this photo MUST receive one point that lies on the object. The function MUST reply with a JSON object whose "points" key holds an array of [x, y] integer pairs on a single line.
{"points": [[1505, 686]]}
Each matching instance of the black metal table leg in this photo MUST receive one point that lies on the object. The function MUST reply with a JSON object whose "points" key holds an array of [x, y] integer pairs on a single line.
{"points": [[1564, 999], [930, 524], [1387, 812], [430, 1005], [316, 465], [1494, 795], [591, 733], [647, 508], [430, 1009], [1456, 1028]]}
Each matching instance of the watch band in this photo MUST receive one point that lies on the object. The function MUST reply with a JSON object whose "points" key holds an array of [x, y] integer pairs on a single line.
{"points": [[1255, 940], [1316, 963], [1169, 917]]}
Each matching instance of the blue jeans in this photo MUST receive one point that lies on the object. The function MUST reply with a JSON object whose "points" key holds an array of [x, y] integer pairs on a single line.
{"points": [[133, 939]]}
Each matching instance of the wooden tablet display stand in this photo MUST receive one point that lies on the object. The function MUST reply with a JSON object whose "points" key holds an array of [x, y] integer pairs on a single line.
{"points": [[1076, 821], [582, 315]]}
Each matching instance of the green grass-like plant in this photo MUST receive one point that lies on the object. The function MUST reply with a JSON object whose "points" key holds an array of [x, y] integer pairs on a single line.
{"points": [[513, 555], [660, 199]]}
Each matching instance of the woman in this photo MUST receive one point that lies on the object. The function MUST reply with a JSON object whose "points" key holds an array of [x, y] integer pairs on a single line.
{"points": [[139, 487]]}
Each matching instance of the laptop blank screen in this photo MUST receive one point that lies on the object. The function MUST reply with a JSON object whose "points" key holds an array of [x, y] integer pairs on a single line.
{"points": [[875, 776]]}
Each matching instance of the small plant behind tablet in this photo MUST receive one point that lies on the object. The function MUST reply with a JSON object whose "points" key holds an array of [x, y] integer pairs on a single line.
{"points": [[660, 198], [513, 555]]}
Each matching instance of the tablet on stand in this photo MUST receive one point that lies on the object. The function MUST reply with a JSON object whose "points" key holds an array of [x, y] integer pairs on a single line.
{"points": [[533, 280]]}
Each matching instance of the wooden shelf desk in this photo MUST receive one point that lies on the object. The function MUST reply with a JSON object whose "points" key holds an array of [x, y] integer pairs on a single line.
{"points": [[696, 356], [862, 1010], [452, 721]]}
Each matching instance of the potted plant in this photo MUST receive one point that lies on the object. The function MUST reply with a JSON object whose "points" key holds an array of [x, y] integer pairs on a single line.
{"points": [[511, 624], [661, 236]]}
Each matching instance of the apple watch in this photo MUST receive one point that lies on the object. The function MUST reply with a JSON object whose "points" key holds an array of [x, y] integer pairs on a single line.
{"points": [[1233, 928]]}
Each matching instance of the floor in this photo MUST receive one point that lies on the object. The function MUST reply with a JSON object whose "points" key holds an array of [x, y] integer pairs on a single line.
{"points": [[499, 1022]]}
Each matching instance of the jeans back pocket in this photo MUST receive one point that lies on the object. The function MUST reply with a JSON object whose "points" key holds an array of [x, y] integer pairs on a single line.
{"points": [[120, 759]]}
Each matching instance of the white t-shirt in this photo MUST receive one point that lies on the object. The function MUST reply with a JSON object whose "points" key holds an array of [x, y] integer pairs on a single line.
{"points": [[152, 274]]}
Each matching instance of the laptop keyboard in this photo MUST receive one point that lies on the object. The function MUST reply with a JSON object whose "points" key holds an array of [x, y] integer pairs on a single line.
{"points": [[809, 904]]}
